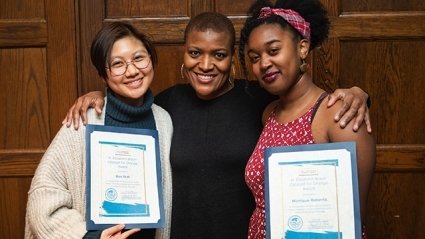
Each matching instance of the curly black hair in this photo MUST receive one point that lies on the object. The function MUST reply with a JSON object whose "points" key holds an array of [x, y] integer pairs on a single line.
{"points": [[311, 10]]}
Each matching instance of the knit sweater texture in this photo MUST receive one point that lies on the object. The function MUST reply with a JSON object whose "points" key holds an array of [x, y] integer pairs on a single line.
{"points": [[56, 205]]}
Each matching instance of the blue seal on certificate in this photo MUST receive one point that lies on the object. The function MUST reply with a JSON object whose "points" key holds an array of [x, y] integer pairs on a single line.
{"points": [[295, 222], [111, 194]]}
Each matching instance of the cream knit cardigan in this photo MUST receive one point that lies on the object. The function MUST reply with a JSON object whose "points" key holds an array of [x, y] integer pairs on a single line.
{"points": [[56, 200]]}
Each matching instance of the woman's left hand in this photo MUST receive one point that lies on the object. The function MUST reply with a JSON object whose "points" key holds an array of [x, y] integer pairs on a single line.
{"points": [[354, 107]]}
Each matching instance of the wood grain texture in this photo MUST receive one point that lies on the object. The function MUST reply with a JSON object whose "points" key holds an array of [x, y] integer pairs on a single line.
{"points": [[382, 6], [377, 45], [23, 33], [18, 163], [13, 201], [25, 121]]}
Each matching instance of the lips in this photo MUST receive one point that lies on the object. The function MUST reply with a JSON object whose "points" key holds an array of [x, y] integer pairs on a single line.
{"points": [[270, 77], [205, 78], [135, 84]]}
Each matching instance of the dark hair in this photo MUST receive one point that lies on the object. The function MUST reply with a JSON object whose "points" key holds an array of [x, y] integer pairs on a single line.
{"points": [[214, 21], [311, 10], [104, 40]]}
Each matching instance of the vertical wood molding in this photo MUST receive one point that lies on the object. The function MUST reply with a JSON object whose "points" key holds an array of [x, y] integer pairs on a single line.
{"points": [[61, 59]]}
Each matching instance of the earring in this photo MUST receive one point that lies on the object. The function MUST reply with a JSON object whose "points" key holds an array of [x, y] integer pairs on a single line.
{"points": [[233, 76], [303, 66], [181, 72]]}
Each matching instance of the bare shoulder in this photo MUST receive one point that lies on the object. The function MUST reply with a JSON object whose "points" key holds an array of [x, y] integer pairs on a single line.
{"points": [[326, 129], [268, 110]]}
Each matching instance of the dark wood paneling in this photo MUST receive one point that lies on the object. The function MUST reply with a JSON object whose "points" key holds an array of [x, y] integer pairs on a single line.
{"points": [[18, 163], [377, 45], [396, 207], [381, 6], [401, 158], [23, 33], [25, 112], [385, 25], [236, 8], [147, 8], [170, 59], [22, 9], [38, 78], [393, 72], [13, 203]]}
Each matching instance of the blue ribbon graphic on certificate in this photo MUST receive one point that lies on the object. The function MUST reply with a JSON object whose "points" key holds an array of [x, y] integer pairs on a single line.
{"points": [[311, 192], [123, 183]]}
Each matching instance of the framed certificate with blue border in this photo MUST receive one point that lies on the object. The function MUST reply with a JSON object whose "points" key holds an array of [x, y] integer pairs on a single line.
{"points": [[312, 192], [123, 178]]}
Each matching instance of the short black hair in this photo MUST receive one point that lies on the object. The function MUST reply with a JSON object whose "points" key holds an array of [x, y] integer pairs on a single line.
{"points": [[311, 10], [214, 21], [101, 46]]}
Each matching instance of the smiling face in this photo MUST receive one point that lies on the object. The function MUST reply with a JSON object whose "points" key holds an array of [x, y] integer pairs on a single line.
{"points": [[134, 83], [275, 57], [207, 62]]}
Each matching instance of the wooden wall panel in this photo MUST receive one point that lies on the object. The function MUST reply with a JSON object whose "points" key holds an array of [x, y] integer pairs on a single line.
{"points": [[382, 6], [12, 206], [146, 8], [396, 210], [167, 73], [26, 99], [236, 8], [38, 78], [377, 45], [23, 9], [392, 71]]}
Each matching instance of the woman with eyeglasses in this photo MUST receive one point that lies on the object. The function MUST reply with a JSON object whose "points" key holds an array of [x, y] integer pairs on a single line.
{"points": [[217, 121], [125, 59]]}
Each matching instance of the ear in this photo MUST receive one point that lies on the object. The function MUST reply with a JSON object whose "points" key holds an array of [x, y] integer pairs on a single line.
{"points": [[304, 48]]}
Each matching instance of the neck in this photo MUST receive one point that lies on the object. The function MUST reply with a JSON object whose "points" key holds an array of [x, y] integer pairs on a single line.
{"points": [[301, 94]]}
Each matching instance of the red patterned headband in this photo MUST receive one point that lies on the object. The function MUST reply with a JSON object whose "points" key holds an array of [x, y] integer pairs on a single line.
{"points": [[292, 17]]}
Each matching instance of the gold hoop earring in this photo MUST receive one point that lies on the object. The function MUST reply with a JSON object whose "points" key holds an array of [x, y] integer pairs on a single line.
{"points": [[233, 76], [181, 72], [303, 66]]}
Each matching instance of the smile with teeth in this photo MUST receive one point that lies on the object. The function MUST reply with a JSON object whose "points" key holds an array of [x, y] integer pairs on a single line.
{"points": [[134, 83], [205, 78]]}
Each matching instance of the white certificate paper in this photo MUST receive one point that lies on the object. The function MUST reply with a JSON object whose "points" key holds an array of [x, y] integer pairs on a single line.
{"points": [[312, 192], [123, 178]]}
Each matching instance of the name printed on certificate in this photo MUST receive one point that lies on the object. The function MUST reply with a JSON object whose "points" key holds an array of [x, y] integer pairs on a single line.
{"points": [[311, 192], [123, 178]]}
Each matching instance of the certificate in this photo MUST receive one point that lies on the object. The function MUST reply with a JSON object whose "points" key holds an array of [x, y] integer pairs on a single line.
{"points": [[123, 178], [312, 192]]}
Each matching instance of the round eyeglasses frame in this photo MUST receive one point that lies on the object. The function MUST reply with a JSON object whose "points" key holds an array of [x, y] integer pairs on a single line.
{"points": [[123, 69]]}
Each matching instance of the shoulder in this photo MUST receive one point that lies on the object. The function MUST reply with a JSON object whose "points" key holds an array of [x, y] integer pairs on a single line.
{"points": [[328, 130], [162, 117], [169, 96], [268, 110], [175, 89]]}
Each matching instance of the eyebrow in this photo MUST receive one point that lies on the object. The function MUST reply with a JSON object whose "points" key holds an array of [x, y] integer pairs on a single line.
{"points": [[266, 44]]}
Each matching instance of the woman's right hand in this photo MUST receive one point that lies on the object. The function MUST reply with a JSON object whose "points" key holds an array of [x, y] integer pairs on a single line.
{"points": [[115, 232], [79, 109]]}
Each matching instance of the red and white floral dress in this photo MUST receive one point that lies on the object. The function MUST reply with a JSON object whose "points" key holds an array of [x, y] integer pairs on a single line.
{"points": [[274, 134]]}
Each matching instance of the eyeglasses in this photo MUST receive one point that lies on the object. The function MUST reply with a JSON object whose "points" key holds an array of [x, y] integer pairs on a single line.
{"points": [[119, 67]]}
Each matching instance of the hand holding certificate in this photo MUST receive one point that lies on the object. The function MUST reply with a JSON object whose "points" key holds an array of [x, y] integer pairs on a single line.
{"points": [[123, 178], [312, 192]]}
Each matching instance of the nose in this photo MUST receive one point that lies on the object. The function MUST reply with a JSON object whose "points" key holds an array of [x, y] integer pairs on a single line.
{"points": [[265, 62], [206, 63], [132, 70]]}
